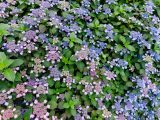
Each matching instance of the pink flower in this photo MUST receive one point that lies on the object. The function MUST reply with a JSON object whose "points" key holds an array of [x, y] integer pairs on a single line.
{"points": [[97, 87], [83, 53], [88, 89], [3, 97], [110, 75], [20, 90], [40, 110], [7, 114]]}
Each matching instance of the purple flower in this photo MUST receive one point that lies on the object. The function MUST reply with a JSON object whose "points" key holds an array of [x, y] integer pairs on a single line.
{"points": [[43, 37], [128, 105], [54, 2], [83, 53], [110, 75], [149, 7], [55, 73], [45, 4], [109, 31], [136, 36], [86, 3], [69, 80], [53, 54], [79, 117], [111, 1], [30, 35], [89, 33], [29, 20], [107, 11], [88, 89], [81, 12], [37, 13]]}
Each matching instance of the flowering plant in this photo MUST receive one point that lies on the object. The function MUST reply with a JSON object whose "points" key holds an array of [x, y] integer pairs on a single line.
{"points": [[80, 59]]}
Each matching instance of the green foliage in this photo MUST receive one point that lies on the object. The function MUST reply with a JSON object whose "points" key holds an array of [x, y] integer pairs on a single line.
{"points": [[6, 65], [3, 29]]}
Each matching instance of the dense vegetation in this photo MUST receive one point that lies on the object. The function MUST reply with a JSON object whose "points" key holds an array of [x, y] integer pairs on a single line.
{"points": [[79, 59]]}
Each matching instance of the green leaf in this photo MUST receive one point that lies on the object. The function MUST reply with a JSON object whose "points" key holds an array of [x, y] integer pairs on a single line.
{"points": [[66, 105], [72, 36], [4, 26], [96, 22], [53, 104], [91, 25], [2, 56], [119, 47], [67, 53], [27, 114], [50, 82], [17, 62], [65, 60], [131, 48], [42, 28], [28, 97], [122, 38], [65, 39], [71, 104], [73, 112], [78, 41], [80, 66], [123, 75], [158, 12], [138, 66], [5, 63], [18, 77], [0, 39], [71, 44], [67, 96], [9, 74], [3, 29], [129, 84]]}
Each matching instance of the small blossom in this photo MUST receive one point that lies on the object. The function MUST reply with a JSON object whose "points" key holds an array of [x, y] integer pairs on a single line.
{"points": [[39, 111], [106, 113], [64, 5], [83, 53], [69, 80], [55, 73], [20, 90], [8, 114], [110, 75], [97, 87], [3, 97], [88, 89]]}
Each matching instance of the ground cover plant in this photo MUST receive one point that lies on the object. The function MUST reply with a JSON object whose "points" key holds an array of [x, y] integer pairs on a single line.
{"points": [[80, 59]]}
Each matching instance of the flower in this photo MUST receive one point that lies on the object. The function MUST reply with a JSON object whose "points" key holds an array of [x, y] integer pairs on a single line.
{"points": [[109, 31], [39, 111], [40, 89], [110, 75], [120, 117], [69, 80], [8, 114], [30, 35], [64, 5], [45, 4], [55, 73], [106, 113], [82, 54], [97, 87], [3, 98], [111, 1], [20, 90], [88, 89]]}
